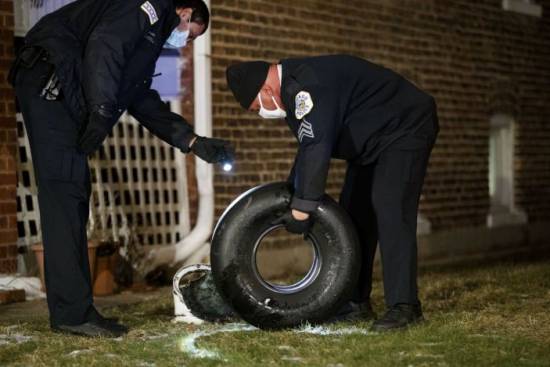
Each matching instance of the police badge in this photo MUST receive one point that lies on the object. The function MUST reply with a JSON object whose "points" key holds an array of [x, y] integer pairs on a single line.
{"points": [[304, 104]]}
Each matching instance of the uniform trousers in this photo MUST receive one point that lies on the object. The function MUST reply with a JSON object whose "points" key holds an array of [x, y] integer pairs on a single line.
{"points": [[63, 181], [382, 198]]}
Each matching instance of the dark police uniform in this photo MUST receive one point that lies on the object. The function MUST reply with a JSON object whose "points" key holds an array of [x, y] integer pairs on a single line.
{"points": [[104, 54], [348, 108]]}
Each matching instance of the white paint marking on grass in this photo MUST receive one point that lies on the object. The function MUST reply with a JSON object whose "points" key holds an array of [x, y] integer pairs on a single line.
{"points": [[154, 336], [17, 338], [284, 347], [188, 344], [322, 330], [78, 352]]}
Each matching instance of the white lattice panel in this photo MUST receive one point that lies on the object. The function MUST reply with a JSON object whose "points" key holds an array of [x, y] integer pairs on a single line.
{"points": [[138, 182], [28, 219]]}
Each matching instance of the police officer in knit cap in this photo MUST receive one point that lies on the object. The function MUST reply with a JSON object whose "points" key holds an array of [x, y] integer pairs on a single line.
{"points": [[347, 108], [80, 68]]}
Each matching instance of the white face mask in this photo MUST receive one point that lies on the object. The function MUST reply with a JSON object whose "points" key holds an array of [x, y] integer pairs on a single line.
{"points": [[178, 39], [277, 113]]}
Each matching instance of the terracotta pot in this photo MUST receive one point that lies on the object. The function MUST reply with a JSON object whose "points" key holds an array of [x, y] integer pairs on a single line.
{"points": [[104, 283], [38, 250]]}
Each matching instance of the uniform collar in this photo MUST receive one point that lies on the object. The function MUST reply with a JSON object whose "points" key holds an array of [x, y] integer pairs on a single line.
{"points": [[289, 89]]}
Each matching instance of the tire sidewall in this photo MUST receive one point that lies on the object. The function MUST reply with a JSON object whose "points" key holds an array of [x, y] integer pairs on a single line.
{"points": [[234, 265]]}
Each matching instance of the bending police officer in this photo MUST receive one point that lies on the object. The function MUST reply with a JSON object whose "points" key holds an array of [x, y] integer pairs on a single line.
{"points": [[347, 108]]}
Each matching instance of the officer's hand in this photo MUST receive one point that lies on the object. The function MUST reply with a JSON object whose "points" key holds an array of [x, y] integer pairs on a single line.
{"points": [[96, 131], [294, 225], [213, 150]]}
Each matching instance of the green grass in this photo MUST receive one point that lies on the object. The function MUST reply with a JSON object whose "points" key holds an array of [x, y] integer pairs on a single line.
{"points": [[496, 315]]}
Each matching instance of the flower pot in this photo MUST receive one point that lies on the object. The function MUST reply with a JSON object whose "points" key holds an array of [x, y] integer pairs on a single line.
{"points": [[104, 283], [38, 250]]}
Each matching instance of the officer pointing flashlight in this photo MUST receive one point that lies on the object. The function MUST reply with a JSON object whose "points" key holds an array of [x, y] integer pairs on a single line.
{"points": [[81, 67]]}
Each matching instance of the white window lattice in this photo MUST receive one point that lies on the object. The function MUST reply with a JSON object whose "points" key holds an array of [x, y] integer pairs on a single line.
{"points": [[138, 183]]}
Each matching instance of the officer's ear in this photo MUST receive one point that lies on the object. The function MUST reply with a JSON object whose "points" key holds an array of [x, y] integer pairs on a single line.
{"points": [[184, 14]]}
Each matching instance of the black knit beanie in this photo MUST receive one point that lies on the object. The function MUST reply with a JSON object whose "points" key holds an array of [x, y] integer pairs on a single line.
{"points": [[246, 79]]}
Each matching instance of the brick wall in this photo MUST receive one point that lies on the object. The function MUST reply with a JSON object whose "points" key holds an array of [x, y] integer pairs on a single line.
{"points": [[475, 58], [8, 146]]}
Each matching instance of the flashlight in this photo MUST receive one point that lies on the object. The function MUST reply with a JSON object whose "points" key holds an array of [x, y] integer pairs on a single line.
{"points": [[227, 166], [228, 159]]}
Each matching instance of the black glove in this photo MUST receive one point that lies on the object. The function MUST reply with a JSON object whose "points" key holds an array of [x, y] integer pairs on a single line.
{"points": [[213, 150], [96, 131], [294, 225]]}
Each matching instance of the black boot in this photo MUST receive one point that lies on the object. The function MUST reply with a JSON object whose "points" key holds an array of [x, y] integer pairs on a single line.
{"points": [[354, 311], [398, 317], [96, 316], [93, 329]]}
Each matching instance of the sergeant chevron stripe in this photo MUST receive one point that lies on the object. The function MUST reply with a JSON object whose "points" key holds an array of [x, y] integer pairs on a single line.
{"points": [[306, 129]]}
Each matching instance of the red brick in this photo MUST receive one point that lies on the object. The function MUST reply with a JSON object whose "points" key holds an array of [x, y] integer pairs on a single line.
{"points": [[8, 266], [7, 236], [419, 39], [11, 296], [12, 221], [8, 179]]}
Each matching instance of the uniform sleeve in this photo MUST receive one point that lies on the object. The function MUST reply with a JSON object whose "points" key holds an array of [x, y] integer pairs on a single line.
{"points": [[156, 116], [109, 47], [316, 134]]}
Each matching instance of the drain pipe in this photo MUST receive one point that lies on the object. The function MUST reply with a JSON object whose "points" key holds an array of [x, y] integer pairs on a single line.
{"points": [[199, 236], [197, 239]]}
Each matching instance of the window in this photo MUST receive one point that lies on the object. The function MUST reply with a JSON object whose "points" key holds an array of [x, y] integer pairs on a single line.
{"points": [[526, 7], [501, 173], [423, 225]]}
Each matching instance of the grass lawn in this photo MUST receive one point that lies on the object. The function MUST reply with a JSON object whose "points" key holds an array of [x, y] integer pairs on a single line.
{"points": [[492, 315]]}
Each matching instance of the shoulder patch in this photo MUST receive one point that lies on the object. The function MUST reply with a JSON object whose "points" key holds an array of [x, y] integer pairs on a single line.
{"points": [[304, 104], [149, 9]]}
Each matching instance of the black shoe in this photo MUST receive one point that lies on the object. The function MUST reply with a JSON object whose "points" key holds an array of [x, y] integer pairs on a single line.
{"points": [[94, 315], [354, 311], [399, 316], [113, 320], [99, 317], [93, 329]]}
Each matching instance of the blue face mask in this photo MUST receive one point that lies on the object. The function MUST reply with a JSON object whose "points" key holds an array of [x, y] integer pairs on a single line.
{"points": [[178, 39]]}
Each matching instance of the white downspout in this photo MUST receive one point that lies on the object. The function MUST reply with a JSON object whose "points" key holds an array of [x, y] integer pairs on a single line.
{"points": [[199, 236], [196, 242]]}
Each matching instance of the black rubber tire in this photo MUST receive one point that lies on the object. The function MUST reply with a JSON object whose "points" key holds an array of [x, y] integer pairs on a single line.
{"points": [[234, 265]]}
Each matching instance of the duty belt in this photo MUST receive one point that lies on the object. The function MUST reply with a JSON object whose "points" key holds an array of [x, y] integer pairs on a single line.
{"points": [[27, 58]]}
